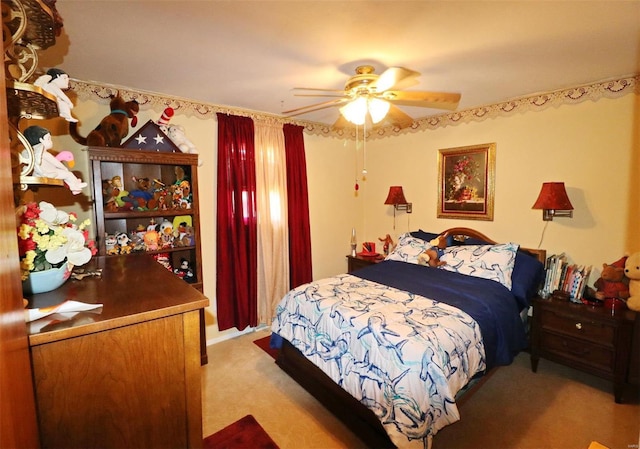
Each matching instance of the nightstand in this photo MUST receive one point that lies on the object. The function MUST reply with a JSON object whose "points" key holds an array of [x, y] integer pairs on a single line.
{"points": [[590, 339], [357, 262]]}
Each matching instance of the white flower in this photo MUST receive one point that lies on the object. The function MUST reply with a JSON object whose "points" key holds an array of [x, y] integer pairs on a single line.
{"points": [[73, 250], [52, 216]]}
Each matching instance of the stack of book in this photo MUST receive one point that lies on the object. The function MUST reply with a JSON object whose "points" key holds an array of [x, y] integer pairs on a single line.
{"points": [[561, 276]]}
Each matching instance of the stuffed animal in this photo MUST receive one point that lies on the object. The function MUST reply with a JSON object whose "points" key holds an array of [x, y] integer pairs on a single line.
{"points": [[45, 164], [166, 234], [112, 128], [185, 272], [111, 244], [140, 197], [176, 133], [632, 271], [151, 240], [125, 244], [431, 256], [612, 282], [112, 194], [55, 81]]}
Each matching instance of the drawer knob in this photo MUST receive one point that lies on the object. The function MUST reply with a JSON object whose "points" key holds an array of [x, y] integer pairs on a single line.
{"points": [[579, 326]]}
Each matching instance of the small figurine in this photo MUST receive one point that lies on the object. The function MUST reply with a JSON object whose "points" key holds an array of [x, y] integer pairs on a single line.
{"points": [[54, 82], [46, 165], [388, 244]]}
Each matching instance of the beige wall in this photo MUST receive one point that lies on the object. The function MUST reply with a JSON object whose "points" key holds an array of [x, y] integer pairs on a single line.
{"points": [[590, 146]]}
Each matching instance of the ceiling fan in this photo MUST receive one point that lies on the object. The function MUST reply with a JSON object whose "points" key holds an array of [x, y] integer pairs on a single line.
{"points": [[376, 96]]}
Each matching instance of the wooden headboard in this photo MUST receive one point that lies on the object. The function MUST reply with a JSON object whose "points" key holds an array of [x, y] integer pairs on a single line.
{"points": [[461, 234]]}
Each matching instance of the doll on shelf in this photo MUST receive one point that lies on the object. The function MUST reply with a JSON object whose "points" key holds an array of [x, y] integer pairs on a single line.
{"points": [[46, 164], [55, 81]]}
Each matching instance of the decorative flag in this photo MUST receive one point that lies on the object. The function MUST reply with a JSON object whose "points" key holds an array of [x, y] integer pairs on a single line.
{"points": [[151, 138]]}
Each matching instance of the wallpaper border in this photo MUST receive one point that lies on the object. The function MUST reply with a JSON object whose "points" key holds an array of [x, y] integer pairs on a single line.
{"points": [[613, 88]]}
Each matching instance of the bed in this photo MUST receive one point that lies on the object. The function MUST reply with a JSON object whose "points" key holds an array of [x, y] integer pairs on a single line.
{"points": [[388, 347]]}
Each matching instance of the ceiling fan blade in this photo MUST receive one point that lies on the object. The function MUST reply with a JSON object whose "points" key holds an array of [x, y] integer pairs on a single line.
{"points": [[342, 95], [437, 100], [318, 89], [398, 118], [314, 107], [396, 78]]}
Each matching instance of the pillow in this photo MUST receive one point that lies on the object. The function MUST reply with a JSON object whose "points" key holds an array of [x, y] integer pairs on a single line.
{"points": [[428, 236], [423, 235], [469, 241], [494, 262], [408, 249], [527, 275]]}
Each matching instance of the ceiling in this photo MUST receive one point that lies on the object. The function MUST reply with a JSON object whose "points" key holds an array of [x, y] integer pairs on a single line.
{"points": [[250, 54]]}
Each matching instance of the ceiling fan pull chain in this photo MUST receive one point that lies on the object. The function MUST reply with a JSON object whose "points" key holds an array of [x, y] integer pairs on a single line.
{"points": [[364, 152], [355, 164]]}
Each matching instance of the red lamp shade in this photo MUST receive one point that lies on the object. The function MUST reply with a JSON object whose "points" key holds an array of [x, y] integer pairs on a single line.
{"points": [[553, 198], [395, 196]]}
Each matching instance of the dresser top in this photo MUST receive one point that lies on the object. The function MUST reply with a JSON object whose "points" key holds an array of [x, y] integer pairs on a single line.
{"points": [[132, 289], [586, 311]]}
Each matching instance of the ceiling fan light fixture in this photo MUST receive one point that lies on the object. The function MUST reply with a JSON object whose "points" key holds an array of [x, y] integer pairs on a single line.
{"points": [[355, 111], [378, 109]]}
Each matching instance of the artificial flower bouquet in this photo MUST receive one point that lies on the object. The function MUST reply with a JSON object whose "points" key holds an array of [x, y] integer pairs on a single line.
{"points": [[48, 238]]}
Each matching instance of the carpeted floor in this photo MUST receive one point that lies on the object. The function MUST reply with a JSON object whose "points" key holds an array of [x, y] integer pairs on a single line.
{"points": [[557, 407], [246, 433]]}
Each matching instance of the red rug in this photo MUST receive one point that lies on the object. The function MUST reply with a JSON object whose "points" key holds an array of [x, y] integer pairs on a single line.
{"points": [[245, 433], [263, 343]]}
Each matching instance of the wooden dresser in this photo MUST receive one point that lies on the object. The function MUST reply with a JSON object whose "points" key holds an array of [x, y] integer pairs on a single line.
{"points": [[591, 339], [128, 374]]}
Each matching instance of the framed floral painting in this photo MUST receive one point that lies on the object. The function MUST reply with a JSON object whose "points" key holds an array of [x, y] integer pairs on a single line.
{"points": [[466, 178]]}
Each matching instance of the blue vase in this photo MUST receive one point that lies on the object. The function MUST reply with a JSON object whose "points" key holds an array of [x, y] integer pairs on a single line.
{"points": [[47, 280]]}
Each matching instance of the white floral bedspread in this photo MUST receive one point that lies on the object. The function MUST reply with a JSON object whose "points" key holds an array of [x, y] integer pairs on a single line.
{"points": [[402, 355]]}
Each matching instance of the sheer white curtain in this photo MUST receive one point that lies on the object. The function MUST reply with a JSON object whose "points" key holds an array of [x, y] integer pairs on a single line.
{"points": [[273, 236]]}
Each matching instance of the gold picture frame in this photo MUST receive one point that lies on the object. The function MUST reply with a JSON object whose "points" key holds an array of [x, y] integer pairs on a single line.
{"points": [[466, 177]]}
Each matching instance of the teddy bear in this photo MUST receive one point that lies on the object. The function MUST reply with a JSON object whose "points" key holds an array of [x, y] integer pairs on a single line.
{"points": [[632, 272], [612, 282], [112, 128], [431, 256]]}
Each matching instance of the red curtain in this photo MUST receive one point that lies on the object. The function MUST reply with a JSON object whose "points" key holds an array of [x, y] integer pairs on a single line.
{"points": [[236, 224], [300, 270]]}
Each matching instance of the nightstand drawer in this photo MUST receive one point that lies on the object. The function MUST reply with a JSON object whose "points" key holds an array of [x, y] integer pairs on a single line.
{"points": [[584, 353], [579, 327]]}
